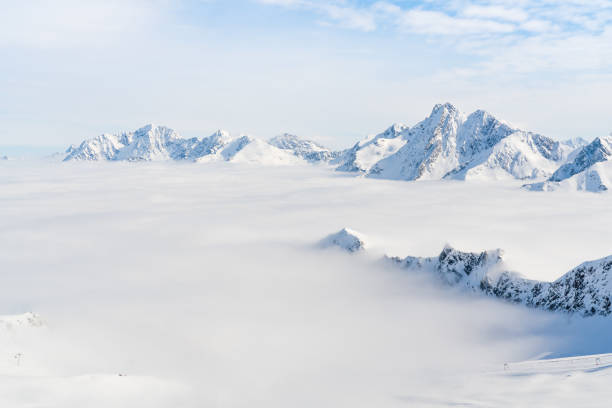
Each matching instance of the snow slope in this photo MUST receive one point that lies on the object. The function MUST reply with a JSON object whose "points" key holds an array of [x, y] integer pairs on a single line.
{"points": [[366, 153]]}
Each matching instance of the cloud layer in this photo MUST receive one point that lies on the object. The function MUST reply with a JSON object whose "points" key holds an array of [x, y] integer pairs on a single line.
{"points": [[204, 285]]}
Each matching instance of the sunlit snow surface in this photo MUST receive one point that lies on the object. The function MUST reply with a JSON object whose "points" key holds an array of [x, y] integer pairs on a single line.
{"points": [[199, 285]]}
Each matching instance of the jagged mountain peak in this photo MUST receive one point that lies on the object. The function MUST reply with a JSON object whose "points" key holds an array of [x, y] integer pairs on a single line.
{"points": [[445, 107], [449, 254], [443, 113], [152, 130], [449, 144], [221, 133], [585, 290], [446, 144], [455, 266], [154, 142], [604, 142], [599, 150], [148, 127]]}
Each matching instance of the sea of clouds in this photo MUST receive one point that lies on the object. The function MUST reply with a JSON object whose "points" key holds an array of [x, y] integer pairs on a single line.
{"points": [[202, 285]]}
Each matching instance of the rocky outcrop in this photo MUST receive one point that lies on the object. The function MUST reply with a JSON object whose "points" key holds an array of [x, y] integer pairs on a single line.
{"points": [[585, 290]]}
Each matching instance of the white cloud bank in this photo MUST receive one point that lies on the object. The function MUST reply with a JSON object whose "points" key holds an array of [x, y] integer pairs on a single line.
{"points": [[202, 284]]}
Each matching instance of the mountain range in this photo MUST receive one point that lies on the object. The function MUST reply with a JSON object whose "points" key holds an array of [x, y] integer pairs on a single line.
{"points": [[448, 144], [154, 143], [585, 290]]}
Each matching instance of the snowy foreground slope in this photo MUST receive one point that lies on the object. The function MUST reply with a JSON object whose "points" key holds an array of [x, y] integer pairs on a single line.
{"points": [[585, 290], [447, 144]]}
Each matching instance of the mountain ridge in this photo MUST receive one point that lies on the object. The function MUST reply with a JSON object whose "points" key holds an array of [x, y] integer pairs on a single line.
{"points": [[585, 290], [447, 144], [589, 169], [450, 144]]}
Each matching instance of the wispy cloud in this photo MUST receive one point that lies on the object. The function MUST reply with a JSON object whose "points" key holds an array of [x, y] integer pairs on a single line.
{"points": [[338, 13], [516, 36], [468, 16]]}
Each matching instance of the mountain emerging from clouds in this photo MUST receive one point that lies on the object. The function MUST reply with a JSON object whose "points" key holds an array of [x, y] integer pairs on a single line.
{"points": [[585, 290], [448, 144], [158, 143], [345, 239], [451, 145]]}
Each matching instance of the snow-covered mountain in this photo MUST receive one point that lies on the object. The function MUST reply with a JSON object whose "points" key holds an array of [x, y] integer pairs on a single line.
{"points": [[595, 179], [243, 149], [446, 145], [450, 144], [599, 150], [366, 153], [589, 169], [153, 143], [585, 290], [306, 149], [147, 143]]}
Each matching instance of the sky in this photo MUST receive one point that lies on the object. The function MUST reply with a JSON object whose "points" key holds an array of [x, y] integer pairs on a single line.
{"points": [[333, 71]]}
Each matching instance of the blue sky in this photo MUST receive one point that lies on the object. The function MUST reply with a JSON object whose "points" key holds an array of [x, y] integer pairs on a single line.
{"points": [[333, 71]]}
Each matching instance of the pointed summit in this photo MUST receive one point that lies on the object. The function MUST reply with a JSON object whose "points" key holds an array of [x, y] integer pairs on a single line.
{"points": [[449, 144], [443, 107]]}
